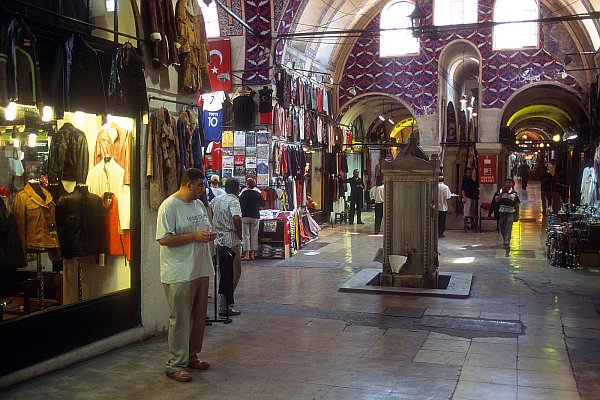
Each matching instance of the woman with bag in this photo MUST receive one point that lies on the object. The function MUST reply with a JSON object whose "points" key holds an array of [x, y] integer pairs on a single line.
{"points": [[508, 211]]}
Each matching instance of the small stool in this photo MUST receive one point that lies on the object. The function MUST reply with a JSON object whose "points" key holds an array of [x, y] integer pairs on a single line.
{"points": [[470, 224], [341, 217]]}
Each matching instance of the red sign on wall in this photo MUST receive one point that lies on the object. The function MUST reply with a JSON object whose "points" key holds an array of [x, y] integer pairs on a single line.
{"points": [[219, 67], [487, 168]]}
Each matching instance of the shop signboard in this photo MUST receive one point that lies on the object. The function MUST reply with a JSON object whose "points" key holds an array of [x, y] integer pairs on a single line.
{"points": [[487, 168]]}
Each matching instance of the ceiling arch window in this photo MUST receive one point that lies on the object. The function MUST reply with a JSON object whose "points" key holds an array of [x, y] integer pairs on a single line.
{"points": [[211, 18], [519, 34], [396, 36], [451, 12]]}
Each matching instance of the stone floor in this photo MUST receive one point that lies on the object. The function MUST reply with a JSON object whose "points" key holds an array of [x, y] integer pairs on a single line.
{"points": [[300, 338]]}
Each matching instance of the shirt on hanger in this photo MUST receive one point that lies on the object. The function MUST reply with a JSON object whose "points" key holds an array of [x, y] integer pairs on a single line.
{"points": [[213, 101]]}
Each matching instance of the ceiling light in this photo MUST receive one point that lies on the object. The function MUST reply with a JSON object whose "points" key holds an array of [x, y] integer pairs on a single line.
{"points": [[391, 121], [524, 137], [11, 111], [79, 119], [381, 117], [32, 140], [46, 114], [569, 135], [556, 138]]}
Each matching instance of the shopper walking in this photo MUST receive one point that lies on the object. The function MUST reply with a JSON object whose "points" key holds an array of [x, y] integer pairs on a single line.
{"points": [[379, 195], [357, 187], [524, 172], [227, 222], [251, 202], [508, 212], [469, 193], [546, 189], [444, 194], [183, 232]]}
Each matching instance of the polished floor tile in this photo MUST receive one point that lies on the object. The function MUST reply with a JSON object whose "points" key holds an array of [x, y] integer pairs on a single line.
{"points": [[300, 338]]}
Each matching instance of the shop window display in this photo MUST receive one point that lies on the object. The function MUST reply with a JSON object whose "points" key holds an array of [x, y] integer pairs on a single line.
{"points": [[65, 212]]}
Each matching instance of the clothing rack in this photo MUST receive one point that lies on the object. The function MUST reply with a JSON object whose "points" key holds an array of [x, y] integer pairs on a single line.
{"points": [[71, 19], [165, 100]]}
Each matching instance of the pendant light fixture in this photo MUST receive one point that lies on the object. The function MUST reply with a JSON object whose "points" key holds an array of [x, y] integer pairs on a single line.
{"points": [[463, 98]]}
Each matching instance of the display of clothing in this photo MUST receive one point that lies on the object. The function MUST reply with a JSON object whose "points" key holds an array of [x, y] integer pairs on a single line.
{"points": [[243, 111], [114, 141], [68, 157], [79, 222], [35, 216], [162, 157], [118, 240], [193, 51], [16, 86], [9, 239], [213, 125], [213, 101], [163, 33], [77, 81], [127, 83], [587, 185], [185, 128]]}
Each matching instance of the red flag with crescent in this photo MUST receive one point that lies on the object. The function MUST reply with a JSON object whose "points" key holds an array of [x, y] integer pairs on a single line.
{"points": [[219, 67]]}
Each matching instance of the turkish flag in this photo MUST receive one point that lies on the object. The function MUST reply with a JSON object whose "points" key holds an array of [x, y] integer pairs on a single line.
{"points": [[219, 67]]}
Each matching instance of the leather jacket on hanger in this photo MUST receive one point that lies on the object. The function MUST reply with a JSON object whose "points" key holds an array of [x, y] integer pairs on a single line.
{"points": [[127, 84], [68, 158], [9, 240], [77, 81], [18, 35], [80, 223]]}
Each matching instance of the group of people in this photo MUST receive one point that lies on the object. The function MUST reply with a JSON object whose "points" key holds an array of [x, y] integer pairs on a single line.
{"points": [[184, 231], [505, 203]]}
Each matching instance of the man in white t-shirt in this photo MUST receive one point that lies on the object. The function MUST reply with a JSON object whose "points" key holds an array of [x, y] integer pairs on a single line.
{"points": [[214, 190], [444, 194], [183, 231]]}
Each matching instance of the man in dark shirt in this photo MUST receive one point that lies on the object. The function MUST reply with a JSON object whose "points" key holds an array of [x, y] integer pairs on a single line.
{"points": [[469, 192], [357, 187], [546, 189]]}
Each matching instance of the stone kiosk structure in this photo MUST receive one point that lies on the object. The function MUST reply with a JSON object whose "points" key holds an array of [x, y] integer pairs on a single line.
{"points": [[410, 222]]}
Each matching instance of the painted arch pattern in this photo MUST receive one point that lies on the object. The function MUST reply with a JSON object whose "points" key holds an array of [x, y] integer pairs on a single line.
{"points": [[414, 78], [258, 16]]}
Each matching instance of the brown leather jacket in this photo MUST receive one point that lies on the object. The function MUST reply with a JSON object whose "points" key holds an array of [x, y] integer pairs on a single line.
{"points": [[163, 33], [117, 148], [163, 157], [35, 219], [193, 53]]}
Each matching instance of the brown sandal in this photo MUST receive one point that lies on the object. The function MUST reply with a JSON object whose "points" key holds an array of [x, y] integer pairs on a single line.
{"points": [[198, 364]]}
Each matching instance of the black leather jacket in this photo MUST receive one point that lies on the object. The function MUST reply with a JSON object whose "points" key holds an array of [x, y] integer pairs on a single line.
{"points": [[127, 84], [9, 240], [80, 224], [18, 35], [77, 81], [68, 159]]}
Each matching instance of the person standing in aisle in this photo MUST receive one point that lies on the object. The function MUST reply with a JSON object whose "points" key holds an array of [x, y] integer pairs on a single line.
{"points": [[356, 196], [183, 232], [444, 194], [508, 199], [546, 189], [227, 222], [214, 190], [469, 192], [251, 202], [379, 196], [524, 171]]}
